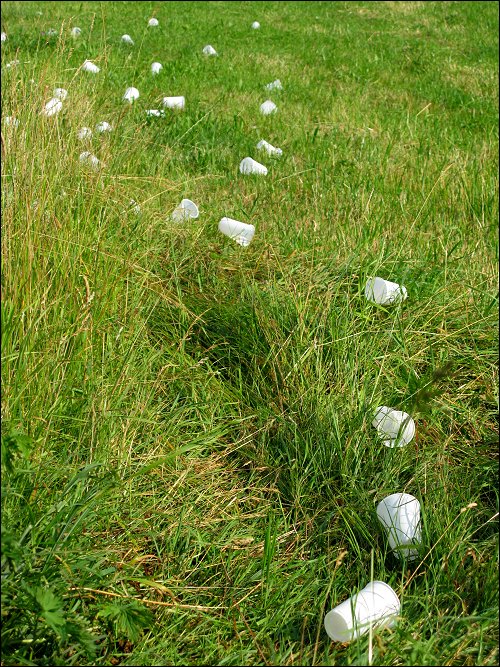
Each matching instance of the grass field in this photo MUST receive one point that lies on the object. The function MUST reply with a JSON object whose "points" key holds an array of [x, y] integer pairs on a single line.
{"points": [[189, 470]]}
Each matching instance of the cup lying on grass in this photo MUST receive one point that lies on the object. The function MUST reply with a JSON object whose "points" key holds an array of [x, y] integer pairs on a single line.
{"points": [[89, 66], [269, 148], [87, 158], [274, 85], [236, 230], [383, 292], [399, 513], [60, 93], [52, 107], [187, 209], [174, 102], [250, 166], [396, 428], [131, 94], [158, 113], [255, 25], [103, 126], [209, 50], [76, 32], [127, 39], [152, 23], [10, 121], [268, 107], [376, 605], [84, 133], [156, 68]]}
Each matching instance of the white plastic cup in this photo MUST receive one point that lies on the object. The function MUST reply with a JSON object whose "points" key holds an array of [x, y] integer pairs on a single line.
{"points": [[131, 94], [89, 66], [236, 230], [375, 605], [87, 158], [127, 39], [156, 68], [255, 25], [60, 93], [209, 50], [135, 207], [103, 126], [274, 85], [153, 23], [10, 121], [187, 209], [268, 107], [269, 148], [383, 292], [4, 37], [158, 113], [84, 133], [396, 428], [76, 32], [174, 102], [250, 166], [52, 107], [399, 513]]}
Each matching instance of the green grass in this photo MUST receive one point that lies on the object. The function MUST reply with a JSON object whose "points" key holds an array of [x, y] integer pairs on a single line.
{"points": [[189, 471]]}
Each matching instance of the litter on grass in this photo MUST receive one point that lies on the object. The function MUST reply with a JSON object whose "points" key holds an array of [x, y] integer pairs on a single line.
{"points": [[209, 50], [268, 107], [152, 23], [383, 292], [127, 39], [10, 121], [174, 102], [61, 94], [274, 85], [269, 148], [236, 230], [131, 94], [84, 133], [13, 63], [399, 513], [87, 158], [158, 113], [103, 126], [250, 166], [396, 428], [76, 32], [255, 25], [186, 209], [135, 207], [52, 107], [4, 37], [156, 68], [89, 66]]}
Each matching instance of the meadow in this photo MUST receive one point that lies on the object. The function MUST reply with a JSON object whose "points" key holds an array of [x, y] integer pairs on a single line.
{"points": [[190, 474]]}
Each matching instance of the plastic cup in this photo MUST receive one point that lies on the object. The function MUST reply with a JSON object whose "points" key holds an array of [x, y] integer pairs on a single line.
{"points": [[269, 148], [52, 107], [127, 39], [131, 94], [236, 230], [174, 102], [158, 113], [87, 158], [152, 23], [76, 32], [84, 133], [186, 209], [396, 428], [399, 513], [209, 50], [135, 207], [103, 126], [255, 25], [268, 107], [274, 85], [156, 68], [250, 166], [375, 605], [4, 37], [384, 292], [61, 94], [13, 63], [10, 121], [89, 66]]}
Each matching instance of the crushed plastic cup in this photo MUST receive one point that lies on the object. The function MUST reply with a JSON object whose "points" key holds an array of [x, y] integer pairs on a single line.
{"points": [[255, 25], [153, 23], [396, 428], [274, 85], [4, 37], [158, 113], [209, 50], [87, 158], [187, 209], [60, 93], [174, 102], [376, 605], [103, 126], [135, 207], [84, 133], [10, 121], [250, 166], [89, 66], [127, 39], [268, 107], [399, 513], [236, 230], [156, 68], [269, 148], [76, 32], [131, 94], [383, 292], [52, 107]]}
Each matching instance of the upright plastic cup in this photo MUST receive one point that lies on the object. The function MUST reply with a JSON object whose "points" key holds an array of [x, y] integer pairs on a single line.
{"points": [[127, 39], [89, 66], [396, 428], [52, 107], [255, 25], [250, 166], [174, 102], [399, 513], [156, 68], [269, 148], [236, 230], [187, 209], [268, 107], [131, 94], [152, 23], [209, 50], [376, 605], [384, 292]]}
